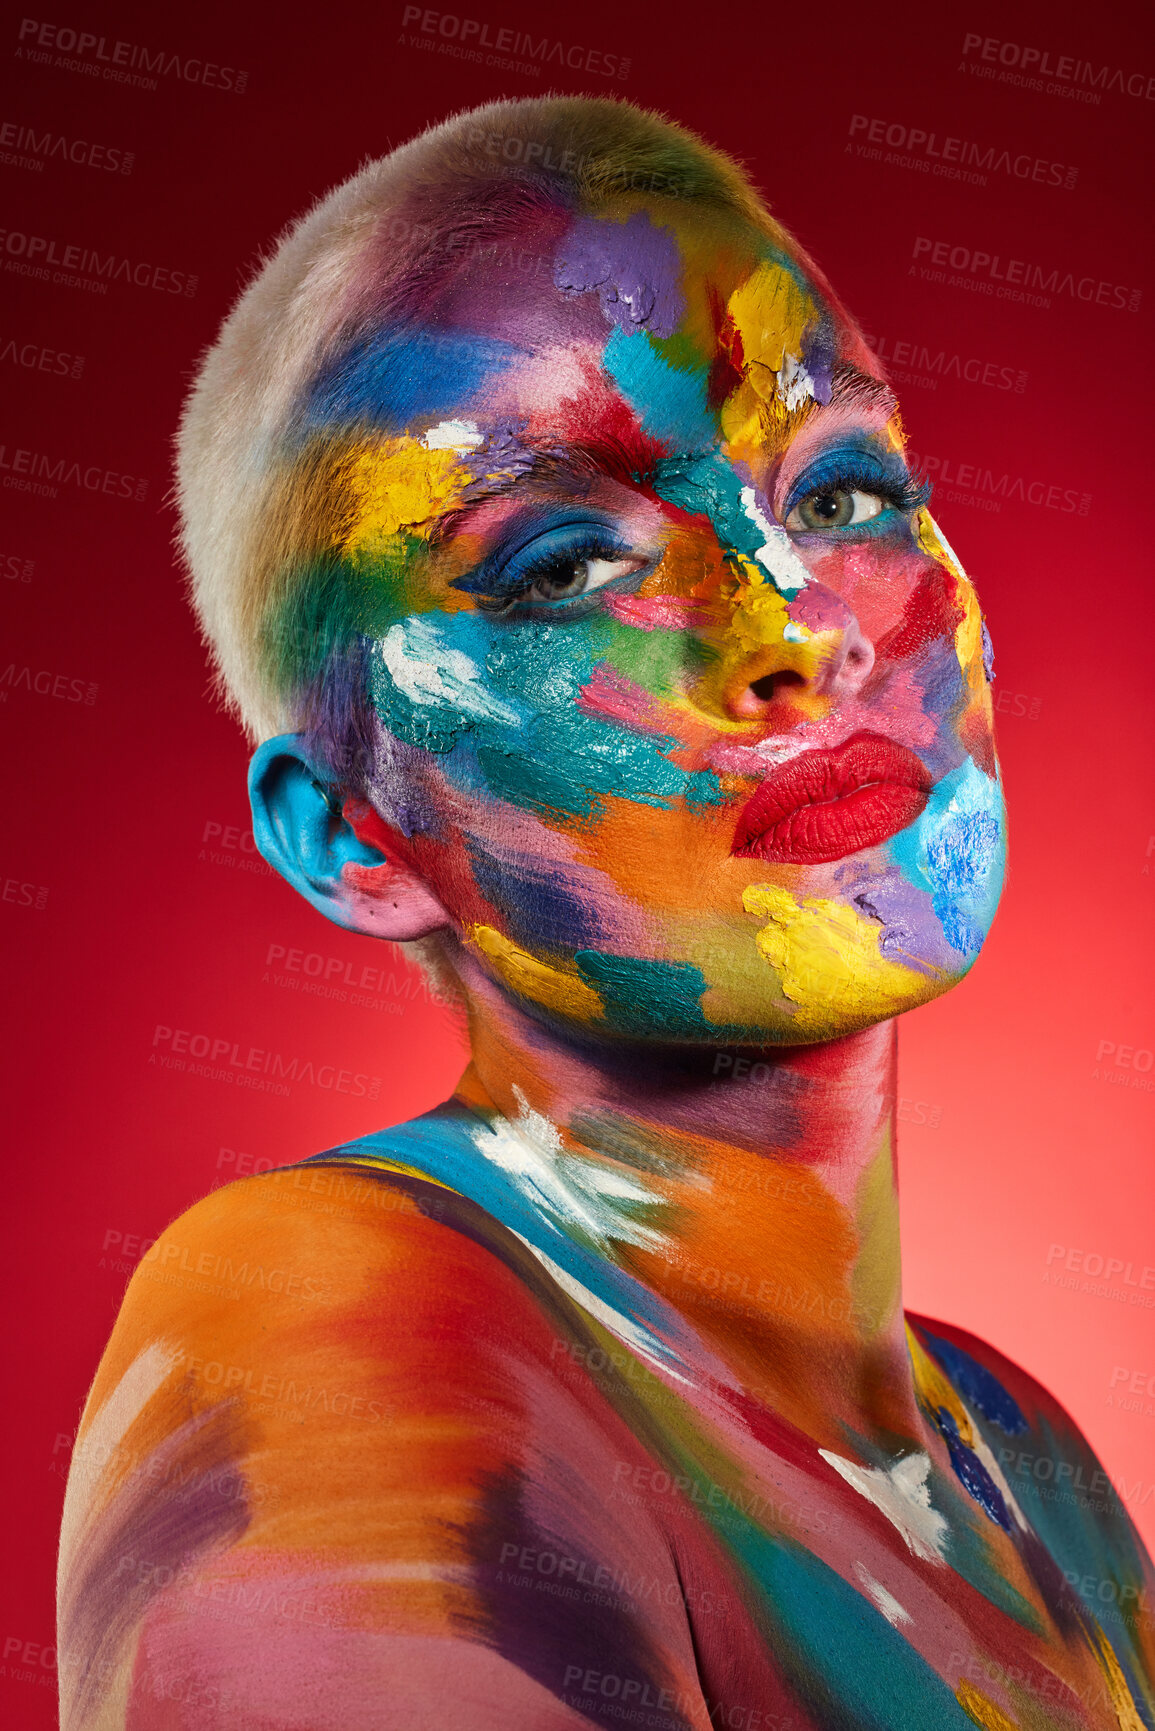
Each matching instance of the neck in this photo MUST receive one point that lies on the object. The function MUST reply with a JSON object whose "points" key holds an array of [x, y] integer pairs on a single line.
{"points": [[754, 1191]]}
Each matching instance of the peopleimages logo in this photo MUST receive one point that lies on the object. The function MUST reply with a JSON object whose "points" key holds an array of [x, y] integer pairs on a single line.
{"points": [[221, 1059], [1023, 64], [910, 362], [468, 38], [39, 358], [43, 682], [942, 154], [121, 62], [36, 256], [43, 474], [14, 568], [1017, 278], [972, 484], [34, 148], [23, 895]]}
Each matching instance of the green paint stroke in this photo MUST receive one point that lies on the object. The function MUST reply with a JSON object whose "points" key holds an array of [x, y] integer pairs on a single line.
{"points": [[330, 601], [654, 659], [843, 1659], [644, 997]]}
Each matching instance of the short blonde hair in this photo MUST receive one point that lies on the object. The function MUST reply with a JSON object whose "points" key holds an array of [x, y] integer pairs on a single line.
{"points": [[286, 624]]}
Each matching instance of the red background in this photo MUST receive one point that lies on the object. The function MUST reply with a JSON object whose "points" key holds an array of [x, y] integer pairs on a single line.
{"points": [[1020, 1130]]}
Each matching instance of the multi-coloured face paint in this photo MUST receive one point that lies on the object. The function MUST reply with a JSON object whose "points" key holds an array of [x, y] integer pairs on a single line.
{"points": [[684, 691], [587, 1398]]}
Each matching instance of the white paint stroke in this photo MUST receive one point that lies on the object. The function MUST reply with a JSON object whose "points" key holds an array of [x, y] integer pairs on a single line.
{"points": [[902, 1494]]}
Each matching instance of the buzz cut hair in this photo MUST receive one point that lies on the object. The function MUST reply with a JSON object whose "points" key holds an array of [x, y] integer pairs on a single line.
{"points": [[261, 489]]}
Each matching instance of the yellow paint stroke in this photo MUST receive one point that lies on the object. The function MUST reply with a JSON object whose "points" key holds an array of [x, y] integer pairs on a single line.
{"points": [[567, 993], [399, 487], [934, 544], [770, 312], [377, 1162], [1122, 1699], [876, 1280], [761, 614], [758, 617], [934, 1391], [827, 958], [982, 1710], [758, 622], [968, 642]]}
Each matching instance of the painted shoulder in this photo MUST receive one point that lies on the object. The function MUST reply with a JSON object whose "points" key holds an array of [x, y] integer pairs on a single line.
{"points": [[1006, 1395], [1025, 1399], [329, 1415], [1057, 1479], [280, 1250]]}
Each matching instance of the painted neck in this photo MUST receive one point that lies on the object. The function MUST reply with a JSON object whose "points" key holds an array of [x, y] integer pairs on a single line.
{"points": [[754, 1191]]}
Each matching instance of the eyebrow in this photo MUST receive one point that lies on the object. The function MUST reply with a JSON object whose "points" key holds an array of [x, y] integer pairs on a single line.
{"points": [[630, 457], [629, 460], [625, 454], [853, 389]]}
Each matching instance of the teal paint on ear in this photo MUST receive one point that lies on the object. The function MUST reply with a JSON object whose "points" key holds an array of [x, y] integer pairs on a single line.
{"points": [[298, 826]]}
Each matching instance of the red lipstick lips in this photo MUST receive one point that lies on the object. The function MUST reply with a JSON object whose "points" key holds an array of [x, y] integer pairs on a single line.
{"points": [[823, 805]]}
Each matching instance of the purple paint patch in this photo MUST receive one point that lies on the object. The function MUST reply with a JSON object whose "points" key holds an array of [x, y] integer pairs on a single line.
{"points": [[901, 909], [184, 1500], [503, 454], [633, 265], [819, 354], [398, 786]]}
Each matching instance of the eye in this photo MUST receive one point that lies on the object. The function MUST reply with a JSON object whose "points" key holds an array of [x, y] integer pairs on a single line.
{"points": [[848, 489], [568, 575], [556, 571], [835, 508]]}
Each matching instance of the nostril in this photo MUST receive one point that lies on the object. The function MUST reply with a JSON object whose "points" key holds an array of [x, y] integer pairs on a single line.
{"points": [[765, 688]]}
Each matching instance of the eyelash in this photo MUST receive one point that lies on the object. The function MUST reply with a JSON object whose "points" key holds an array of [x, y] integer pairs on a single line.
{"points": [[905, 492], [842, 473], [557, 563]]}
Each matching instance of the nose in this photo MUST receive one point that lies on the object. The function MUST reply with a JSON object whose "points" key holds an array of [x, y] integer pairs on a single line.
{"points": [[789, 669]]}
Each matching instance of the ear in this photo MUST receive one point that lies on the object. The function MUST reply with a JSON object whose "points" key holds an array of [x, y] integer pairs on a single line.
{"points": [[302, 831]]}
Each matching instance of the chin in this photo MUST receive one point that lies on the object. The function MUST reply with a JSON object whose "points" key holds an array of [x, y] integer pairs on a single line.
{"points": [[820, 955], [816, 978], [777, 956], [788, 973]]}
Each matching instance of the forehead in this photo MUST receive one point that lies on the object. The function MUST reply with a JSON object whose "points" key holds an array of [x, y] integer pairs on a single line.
{"points": [[679, 305]]}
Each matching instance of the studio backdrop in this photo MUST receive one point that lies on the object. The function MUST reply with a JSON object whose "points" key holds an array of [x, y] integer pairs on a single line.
{"points": [[971, 177]]}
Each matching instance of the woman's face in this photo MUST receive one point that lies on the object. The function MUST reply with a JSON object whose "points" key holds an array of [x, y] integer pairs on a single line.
{"points": [[684, 708]]}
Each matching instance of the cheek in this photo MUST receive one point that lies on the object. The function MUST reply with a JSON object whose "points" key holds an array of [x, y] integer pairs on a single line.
{"points": [[428, 681], [509, 716], [971, 642], [692, 568], [878, 580]]}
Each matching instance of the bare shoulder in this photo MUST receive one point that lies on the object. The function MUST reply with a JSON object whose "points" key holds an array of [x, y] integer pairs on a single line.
{"points": [[1051, 1468], [329, 1420], [337, 1260]]}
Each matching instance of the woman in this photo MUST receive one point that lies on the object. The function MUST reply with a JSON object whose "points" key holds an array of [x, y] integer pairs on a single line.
{"points": [[548, 520]]}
